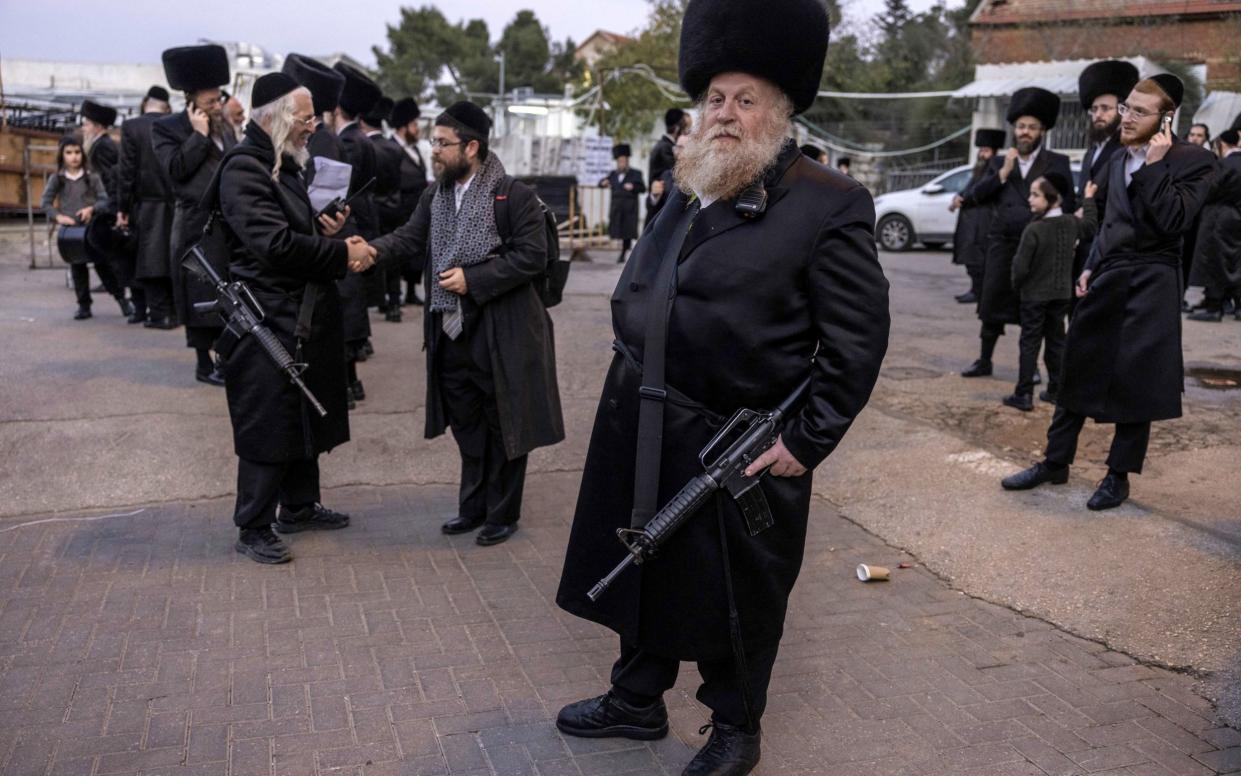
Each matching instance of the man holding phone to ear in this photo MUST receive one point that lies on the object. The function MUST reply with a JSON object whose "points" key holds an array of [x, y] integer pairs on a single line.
{"points": [[1122, 359]]}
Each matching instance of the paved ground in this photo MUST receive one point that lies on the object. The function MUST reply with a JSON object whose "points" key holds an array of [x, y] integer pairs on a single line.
{"points": [[141, 643]]}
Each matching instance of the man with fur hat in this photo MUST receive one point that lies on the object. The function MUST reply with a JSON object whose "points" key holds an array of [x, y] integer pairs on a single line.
{"points": [[325, 85], [728, 301], [289, 261], [1101, 87], [101, 159], [491, 361], [1005, 189], [414, 171], [189, 146], [144, 202], [969, 245], [1122, 359], [626, 186]]}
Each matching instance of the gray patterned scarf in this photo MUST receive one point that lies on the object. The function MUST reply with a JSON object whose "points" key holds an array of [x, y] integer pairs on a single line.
{"points": [[461, 238]]}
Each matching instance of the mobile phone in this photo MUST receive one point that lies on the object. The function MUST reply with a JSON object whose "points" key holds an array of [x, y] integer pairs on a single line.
{"points": [[1167, 124]]}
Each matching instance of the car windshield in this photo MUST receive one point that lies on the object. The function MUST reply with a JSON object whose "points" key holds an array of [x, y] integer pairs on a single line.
{"points": [[956, 181]]}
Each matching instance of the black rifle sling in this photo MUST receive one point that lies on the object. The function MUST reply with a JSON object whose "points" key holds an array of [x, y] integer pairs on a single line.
{"points": [[653, 391]]}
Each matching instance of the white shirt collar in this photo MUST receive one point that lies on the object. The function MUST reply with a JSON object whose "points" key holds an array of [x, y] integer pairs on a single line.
{"points": [[460, 187], [347, 126], [1028, 162], [1055, 211], [73, 176], [704, 202], [1233, 151]]}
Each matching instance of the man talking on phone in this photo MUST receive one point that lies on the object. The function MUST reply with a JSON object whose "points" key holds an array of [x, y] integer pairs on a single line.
{"points": [[1122, 357]]}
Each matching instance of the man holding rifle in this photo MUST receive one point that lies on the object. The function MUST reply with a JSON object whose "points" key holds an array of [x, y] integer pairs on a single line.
{"points": [[287, 259], [760, 271]]}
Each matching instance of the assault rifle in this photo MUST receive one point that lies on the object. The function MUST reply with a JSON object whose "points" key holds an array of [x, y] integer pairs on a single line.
{"points": [[242, 315], [754, 433]]}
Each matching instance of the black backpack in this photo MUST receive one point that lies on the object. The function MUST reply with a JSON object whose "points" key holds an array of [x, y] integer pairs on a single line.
{"points": [[550, 286]]}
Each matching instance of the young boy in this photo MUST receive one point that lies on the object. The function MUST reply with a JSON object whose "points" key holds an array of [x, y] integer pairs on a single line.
{"points": [[1043, 278]]}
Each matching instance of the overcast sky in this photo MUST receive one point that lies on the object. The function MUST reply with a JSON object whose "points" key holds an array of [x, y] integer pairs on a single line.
{"points": [[138, 30]]}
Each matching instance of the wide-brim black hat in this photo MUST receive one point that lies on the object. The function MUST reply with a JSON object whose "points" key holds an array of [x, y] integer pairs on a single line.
{"points": [[324, 83], [1111, 76], [465, 115], [990, 138], [100, 114], [191, 68], [784, 41], [621, 150], [1171, 85], [404, 111], [379, 112], [360, 92], [1033, 101]]}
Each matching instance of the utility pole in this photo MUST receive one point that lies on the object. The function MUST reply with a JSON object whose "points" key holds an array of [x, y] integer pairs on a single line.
{"points": [[500, 114]]}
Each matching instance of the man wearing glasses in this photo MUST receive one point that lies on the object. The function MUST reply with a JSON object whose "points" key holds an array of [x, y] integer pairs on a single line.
{"points": [[1101, 86], [189, 146], [1122, 358]]}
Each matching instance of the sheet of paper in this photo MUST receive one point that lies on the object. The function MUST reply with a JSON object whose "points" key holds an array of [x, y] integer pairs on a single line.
{"points": [[331, 181]]}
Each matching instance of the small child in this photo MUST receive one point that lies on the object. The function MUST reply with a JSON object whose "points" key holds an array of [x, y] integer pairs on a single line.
{"points": [[1043, 278], [70, 198]]}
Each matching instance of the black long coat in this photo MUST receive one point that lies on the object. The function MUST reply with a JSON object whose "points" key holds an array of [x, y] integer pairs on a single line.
{"points": [[360, 153], [189, 160], [1009, 216], [413, 184], [1122, 357], [969, 239], [755, 299], [143, 193], [387, 183], [1217, 257], [623, 213], [1093, 167], [271, 232], [663, 157], [102, 160], [502, 301]]}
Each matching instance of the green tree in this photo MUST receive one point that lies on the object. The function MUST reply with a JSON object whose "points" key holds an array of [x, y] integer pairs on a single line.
{"points": [[420, 46], [526, 53]]}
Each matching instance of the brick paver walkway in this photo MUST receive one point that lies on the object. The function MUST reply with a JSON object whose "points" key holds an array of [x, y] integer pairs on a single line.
{"points": [[143, 644]]}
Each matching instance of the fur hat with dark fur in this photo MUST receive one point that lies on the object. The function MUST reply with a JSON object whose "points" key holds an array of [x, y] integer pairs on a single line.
{"points": [[990, 138], [324, 83], [1111, 76], [1033, 101], [784, 41], [621, 150], [360, 93], [100, 114], [192, 68]]}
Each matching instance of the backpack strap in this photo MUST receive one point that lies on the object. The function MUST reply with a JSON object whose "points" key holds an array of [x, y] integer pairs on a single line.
{"points": [[503, 210]]}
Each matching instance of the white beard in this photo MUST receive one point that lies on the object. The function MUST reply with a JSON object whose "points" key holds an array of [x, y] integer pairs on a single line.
{"points": [[718, 173]]}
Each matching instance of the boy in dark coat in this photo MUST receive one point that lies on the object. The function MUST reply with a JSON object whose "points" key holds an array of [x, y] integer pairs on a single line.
{"points": [[1122, 360]]}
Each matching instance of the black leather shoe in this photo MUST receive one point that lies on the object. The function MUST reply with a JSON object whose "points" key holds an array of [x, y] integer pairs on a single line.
{"points": [[1111, 493], [394, 314], [315, 517], [210, 378], [494, 534], [82, 314], [139, 316], [979, 368], [368, 349], [1034, 476], [1047, 396], [607, 716], [127, 307], [460, 525], [730, 751], [262, 546], [358, 392], [1210, 316], [160, 323], [966, 298], [1019, 401]]}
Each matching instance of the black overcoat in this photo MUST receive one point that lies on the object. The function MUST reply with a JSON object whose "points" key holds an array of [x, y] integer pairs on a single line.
{"points": [[143, 192], [1122, 357], [387, 187], [760, 304], [663, 157], [275, 249], [623, 212], [1009, 215], [1217, 257], [189, 160], [102, 160], [1093, 166], [359, 152], [413, 184], [501, 299], [969, 239]]}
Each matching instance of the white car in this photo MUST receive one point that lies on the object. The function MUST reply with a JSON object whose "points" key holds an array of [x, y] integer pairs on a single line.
{"points": [[910, 216]]}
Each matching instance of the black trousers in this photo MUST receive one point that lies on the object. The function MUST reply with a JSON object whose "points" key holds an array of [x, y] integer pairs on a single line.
{"points": [[124, 268], [491, 484], [202, 337], [81, 281], [159, 299], [1129, 442], [1041, 322], [392, 286], [975, 273], [261, 486], [640, 677]]}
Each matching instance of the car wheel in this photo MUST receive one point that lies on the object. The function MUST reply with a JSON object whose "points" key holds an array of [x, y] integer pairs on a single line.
{"points": [[934, 246], [895, 233]]}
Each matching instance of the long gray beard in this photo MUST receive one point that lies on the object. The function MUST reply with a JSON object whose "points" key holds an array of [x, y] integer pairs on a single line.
{"points": [[299, 155], [718, 173]]}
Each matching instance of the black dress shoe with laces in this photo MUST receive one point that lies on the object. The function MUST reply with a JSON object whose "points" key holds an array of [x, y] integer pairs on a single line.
{"points": [[82, 314], [315, 517], [967, 298], [1111, 493], [460, 525], [214, 377], [494, 534], [607, 716], [164, 323], [262, 546], [1019, 401], [730, 751], [1210, 316], [1047, 396], [980, 368], [1034, 476]]}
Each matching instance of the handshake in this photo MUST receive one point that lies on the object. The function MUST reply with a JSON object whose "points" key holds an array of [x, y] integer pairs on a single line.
{"points": [[361, 254]]}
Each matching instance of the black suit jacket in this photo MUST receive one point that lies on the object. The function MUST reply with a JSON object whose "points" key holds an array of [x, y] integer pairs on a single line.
{"points": [[1012, 211], [139, 175], [102, 160], [662, 158], [360, 152]]}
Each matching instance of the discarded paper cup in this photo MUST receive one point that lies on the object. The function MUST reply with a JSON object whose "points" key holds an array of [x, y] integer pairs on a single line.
{"points": [[872, 573]]}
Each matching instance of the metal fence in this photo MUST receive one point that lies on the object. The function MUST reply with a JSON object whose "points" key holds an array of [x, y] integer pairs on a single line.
{"points": [[916, 176]]}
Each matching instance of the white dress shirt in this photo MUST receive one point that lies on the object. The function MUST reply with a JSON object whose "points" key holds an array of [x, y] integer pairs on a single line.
{"points": [[1027, 163], [1134, 162], [459, 190]]}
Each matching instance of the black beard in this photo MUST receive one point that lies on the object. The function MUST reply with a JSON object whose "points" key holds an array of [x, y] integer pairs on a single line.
{"points": [[1105, 134], [452, 173], [1027, 147]]}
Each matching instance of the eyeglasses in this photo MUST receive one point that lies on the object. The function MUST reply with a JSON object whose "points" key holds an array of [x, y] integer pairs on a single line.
{"points": [[309, 123], [441, 143], [1124, 110]]}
